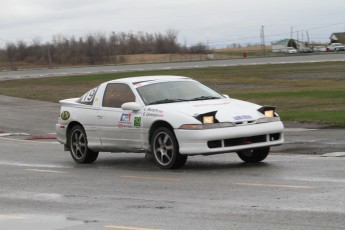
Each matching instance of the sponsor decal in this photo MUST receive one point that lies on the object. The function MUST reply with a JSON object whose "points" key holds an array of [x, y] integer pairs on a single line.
{"points": [[149, 112], [65, 115], [137, 121], [243, 117], [125, 121], [126, 117]]}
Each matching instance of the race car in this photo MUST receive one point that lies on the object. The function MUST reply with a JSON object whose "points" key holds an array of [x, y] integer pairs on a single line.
{"points": [[170, 117]]}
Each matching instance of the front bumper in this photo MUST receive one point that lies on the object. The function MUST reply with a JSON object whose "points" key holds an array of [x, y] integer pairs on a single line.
{"points": [[61, 131], [231, 139]]}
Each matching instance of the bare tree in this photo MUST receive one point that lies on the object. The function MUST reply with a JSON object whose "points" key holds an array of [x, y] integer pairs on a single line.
{"points": [[96, 48]]}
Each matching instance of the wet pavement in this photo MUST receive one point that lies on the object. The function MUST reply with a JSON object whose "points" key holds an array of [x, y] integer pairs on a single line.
{"points": [[299, 186]]}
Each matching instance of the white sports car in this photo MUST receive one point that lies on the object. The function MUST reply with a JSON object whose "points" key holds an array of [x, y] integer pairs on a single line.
{"points": [[170, 117]]}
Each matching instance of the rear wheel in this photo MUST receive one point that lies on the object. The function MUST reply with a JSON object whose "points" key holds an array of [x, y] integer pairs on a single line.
{"points": [[254, 155], [165, 149], [80, 152]]}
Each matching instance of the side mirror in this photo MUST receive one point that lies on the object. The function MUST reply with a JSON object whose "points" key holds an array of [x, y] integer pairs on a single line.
{"points": [[131, 106], [226, 96]]}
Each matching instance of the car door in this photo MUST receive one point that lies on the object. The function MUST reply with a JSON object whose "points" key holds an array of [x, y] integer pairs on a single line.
{"points": [[119, 130]]}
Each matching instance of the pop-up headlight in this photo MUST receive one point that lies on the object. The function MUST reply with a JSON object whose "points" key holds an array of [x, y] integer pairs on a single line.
{"points": [[268, 111], [208, 119]]}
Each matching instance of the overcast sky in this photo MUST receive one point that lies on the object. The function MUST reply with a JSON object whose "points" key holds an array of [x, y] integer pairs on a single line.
{"points": [[216, 22]]}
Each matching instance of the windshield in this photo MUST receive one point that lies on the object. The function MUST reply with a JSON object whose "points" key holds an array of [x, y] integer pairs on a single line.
{"points": [[176, 91]]}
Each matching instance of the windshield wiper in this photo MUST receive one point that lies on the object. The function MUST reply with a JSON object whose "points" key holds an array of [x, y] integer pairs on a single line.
{"points": [[166, 101], [204, 98]]}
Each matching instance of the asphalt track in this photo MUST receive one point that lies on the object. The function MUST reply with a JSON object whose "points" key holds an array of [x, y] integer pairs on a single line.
{"points": [[299, 186]]}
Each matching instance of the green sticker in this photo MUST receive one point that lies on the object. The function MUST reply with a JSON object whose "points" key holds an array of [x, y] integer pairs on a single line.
{"points": [[137, 121], [65, 115]]}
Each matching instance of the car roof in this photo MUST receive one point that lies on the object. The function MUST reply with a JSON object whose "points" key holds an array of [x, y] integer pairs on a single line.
{"points": [[157, 78]]}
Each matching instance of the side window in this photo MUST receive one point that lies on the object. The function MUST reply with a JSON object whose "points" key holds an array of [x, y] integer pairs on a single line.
{"points": [[116, 94]]}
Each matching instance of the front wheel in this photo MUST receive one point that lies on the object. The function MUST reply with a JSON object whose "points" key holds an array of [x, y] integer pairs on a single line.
{"points": [[80, 152], [165, 149], [254, 155]]}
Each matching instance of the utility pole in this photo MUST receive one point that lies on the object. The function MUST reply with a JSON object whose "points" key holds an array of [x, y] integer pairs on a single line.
{"points": [[308, 37], [291, 35], [302, 35], [49, 57], [262, 38]]}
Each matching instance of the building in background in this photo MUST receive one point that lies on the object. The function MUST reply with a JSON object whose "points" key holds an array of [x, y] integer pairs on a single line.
{"points": [[337, 38], [281, 45]]}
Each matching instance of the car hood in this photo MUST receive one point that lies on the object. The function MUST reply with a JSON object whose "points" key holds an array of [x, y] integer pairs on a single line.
{"points": [[226, 110]]}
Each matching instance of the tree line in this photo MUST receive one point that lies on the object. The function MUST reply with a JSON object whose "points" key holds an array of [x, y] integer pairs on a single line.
{"points": [[96, 48]]}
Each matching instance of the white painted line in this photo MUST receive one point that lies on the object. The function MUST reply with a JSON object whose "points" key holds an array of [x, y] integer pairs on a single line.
{"points": [[22, 195], [151, 178], [275, 185], [128, 228], [12, 217], [334, 154], [19, 164], [316, 179], [43, 170], [29, 141]]}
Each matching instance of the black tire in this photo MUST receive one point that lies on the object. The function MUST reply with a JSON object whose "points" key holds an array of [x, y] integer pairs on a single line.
{"points": [[165, 149], [79, 150], [254, 155]]}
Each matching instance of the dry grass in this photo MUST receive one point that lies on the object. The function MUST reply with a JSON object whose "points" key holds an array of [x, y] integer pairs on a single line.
{"points": [[243, 49]]}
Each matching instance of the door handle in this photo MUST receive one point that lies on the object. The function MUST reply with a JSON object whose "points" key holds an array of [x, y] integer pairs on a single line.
{"points": [[99, 116]]}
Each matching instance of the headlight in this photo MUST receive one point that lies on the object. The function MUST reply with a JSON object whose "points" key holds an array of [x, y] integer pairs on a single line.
{"points": [[208, 119], [267, 119], [268, 111]]}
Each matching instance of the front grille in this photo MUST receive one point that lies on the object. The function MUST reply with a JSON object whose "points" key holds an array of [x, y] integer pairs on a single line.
{"points": [[214, 144], [274, 136], [237, 141], [244, 140]]}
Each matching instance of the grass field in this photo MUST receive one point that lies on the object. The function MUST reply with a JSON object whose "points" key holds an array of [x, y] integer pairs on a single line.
{"points": [[309, 92]]}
